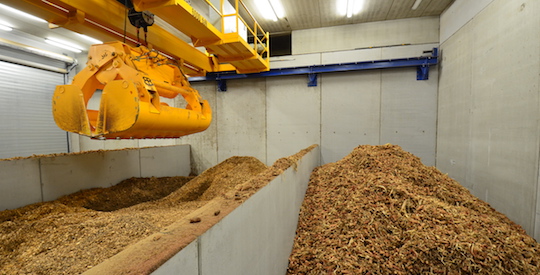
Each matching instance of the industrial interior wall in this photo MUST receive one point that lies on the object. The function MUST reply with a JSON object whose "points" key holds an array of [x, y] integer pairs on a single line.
{"points": [[26, 89], [411, 31], [44, 178], [274, 117], [488, 108], [277, 116], [269, 118]]}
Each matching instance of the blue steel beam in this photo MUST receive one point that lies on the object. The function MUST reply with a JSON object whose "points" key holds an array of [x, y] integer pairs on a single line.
{"points": [[421, 63], [397, 63]]}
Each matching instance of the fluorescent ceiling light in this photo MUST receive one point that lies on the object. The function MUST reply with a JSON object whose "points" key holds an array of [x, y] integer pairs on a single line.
{"points": [[20, 13], [266, 10], [416, 4], [277, 8], [5, 28], [73, 45], [63, 44], [55, 55], [349, 7], [271, 9], [90, 39]]}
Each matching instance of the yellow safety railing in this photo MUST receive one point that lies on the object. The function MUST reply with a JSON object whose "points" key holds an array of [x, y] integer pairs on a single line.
{"points": [[264, 41], [218, 11], [260, 37]]}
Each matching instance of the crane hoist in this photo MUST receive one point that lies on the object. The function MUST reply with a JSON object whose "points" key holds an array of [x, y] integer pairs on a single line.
{"points": [[133, 77]]}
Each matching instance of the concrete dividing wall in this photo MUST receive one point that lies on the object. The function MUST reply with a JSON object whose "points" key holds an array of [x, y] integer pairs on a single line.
{"points": [[68, 174], [20, 183], [257, 237], [488, 129], [39, 179]]}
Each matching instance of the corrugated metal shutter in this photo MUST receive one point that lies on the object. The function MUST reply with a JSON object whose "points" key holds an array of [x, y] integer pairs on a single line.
{"points": [[27, 125]]}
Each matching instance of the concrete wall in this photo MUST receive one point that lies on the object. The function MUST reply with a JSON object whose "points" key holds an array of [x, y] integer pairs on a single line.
{"points": [[374, 34], [293, 116], [273, 117], [277, 116], [488, 127], [257, 237], [39, 179], [241, 120], [378, 107]]}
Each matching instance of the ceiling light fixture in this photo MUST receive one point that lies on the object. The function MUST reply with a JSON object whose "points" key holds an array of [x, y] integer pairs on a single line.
{"points": [[63, 44], [5, 26], [349, 7], [416, 4], [277, 7], [90, 39], [20, 13], [266, 10], [271, 9]]}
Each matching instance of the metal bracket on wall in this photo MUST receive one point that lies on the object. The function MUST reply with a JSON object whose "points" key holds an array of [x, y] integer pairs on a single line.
{"points": [[222, 85], [422, 72], [422, 64], [312, 80]]}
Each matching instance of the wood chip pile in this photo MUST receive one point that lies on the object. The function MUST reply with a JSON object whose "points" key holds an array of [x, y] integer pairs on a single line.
{"points": [[79, 231], [379, 210]]}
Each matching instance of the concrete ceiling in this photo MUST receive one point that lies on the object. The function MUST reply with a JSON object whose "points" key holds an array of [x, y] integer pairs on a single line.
{"points": [[306, 14]]}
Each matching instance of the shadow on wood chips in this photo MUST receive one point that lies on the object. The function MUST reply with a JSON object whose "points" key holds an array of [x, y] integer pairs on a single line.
{"points": [[379, 210], [79, 231]]}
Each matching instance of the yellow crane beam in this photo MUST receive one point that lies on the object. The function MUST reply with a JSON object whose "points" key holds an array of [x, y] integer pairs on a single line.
{"points": [[183, 17], [229, 47], [132, 80], [104, 20]]}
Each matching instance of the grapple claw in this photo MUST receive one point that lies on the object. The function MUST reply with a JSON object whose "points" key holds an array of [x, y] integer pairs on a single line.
{"points": [[132, 81]]}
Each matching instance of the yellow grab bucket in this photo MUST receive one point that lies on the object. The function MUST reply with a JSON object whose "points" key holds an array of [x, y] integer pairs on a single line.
{"points": [[132, 81]]}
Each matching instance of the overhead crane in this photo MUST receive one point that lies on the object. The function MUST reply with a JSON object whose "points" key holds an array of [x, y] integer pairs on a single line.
{"points": [[132, 75]]}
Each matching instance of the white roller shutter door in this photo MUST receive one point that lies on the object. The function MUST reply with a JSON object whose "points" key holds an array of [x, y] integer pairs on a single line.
{"points": [[27, 125]]}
